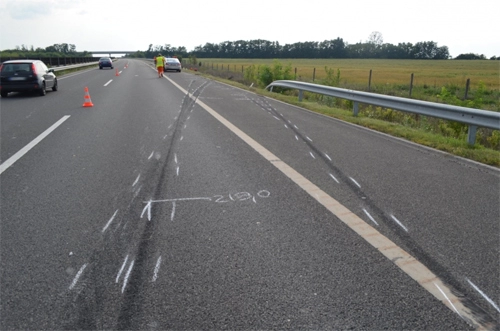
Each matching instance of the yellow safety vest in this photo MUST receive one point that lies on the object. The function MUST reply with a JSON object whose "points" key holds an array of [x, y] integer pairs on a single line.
{"points": [[159, 61]]}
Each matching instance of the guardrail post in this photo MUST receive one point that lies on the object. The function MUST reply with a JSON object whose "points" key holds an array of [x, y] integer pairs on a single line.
{"points": [[471, 136], [355, 109], [301, 94]]}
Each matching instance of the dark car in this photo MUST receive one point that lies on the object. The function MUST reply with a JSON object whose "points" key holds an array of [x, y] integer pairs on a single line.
{"points": [[171, 63], [105, 62], [26, 76]]}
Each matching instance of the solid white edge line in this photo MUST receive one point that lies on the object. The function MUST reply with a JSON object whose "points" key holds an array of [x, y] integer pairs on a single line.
{"points": [[4, 166]]}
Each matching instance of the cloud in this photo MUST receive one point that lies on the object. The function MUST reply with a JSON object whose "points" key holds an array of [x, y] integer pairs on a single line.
{"points": [[26, 10], [33, 9]]}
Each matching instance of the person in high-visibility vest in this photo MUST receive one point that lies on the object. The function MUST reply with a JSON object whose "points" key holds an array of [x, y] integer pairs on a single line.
{"points": [[160, 62]]}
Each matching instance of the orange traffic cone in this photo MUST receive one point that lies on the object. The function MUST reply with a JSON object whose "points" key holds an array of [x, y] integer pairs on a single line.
{"points": [[116, 73], [86, 99]]}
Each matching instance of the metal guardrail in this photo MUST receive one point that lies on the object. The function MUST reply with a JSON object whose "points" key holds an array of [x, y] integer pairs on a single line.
{"points": [[61, 68], [473, 117]]}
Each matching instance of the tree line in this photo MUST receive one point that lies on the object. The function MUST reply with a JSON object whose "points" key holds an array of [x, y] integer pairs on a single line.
{"points": [[373, 48], [55, 50]]}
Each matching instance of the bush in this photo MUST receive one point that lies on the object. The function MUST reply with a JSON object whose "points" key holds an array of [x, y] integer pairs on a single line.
{"points": [[268, 74], [250, 74], [331, 79]]}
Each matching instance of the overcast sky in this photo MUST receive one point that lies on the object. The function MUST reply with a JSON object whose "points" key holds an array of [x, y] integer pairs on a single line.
{"points": [[93, 25]]}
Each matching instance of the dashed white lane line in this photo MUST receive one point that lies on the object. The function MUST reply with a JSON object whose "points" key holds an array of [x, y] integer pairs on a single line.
{"points": [[109, 82], [407, 263], [4, 166]]}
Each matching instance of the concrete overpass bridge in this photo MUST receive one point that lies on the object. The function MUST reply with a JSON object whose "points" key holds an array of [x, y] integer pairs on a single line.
{"points": [[111, 52]]}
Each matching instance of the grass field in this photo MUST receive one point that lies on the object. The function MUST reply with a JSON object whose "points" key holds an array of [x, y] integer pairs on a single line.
{"points": [[446, 78], [390, 77]]}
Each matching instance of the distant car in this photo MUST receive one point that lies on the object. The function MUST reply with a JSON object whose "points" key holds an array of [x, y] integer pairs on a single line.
{"points": [[171, 63], [105, 62], [26, 76]]}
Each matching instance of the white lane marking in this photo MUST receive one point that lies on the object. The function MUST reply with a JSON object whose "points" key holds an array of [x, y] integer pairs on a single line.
{"points": [[152, 153], [308, 138], [370, 216], [75, 280], [312, 155], [355, 182], [109, 82], [286, 126], [328, 157], [125, 281], [4, 166], [175, 157], [173, 211], [296, 138], [121, 269], [136, 180], [157, 268], [399, 223], [177, 171], [110, 220], [335, 179], [491, 302], [296, 127], [449, 301], [406, 262], [276, 118]]}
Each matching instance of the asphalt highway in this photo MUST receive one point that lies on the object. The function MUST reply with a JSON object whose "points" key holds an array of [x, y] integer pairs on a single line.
{"points": [[183, 203]]}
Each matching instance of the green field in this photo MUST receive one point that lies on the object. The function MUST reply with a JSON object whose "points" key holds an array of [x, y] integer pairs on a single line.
{"points": [[390, 76], [434, 80]]}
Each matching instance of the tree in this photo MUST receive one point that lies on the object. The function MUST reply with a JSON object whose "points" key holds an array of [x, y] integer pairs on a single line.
{"points": [[376, 39], [470, 56]]}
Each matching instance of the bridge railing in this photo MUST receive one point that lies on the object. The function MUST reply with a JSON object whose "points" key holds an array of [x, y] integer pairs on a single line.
{"points": [[473, 117]]}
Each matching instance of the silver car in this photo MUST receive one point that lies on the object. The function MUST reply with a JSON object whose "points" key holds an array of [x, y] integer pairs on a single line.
{"points": [[171, 63]]}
